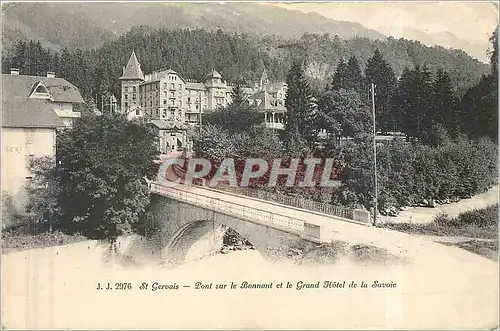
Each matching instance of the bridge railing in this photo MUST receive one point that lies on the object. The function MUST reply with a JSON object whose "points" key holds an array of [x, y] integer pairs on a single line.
{"points": [[252, 214], [297, 202]]}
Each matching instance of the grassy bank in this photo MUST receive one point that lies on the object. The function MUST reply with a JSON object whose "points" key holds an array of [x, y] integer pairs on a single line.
{"points": [[19, 237], [477, 224], [488, 249]]}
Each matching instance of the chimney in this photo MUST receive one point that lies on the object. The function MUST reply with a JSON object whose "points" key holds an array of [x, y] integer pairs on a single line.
{"points": [[51, 74], [14, 71]]}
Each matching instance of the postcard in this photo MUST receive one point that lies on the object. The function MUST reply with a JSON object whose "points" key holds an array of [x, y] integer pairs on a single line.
{"points": [[249, 165]]}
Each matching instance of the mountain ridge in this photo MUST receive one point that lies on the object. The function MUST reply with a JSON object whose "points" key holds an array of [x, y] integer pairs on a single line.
{"points": [[89, 25]]}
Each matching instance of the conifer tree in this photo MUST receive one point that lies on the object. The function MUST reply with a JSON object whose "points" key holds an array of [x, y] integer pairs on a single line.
{"points": [[339, 77], [300, 106], [444, 103], [413, 102], [379, 72], [354, 77], [479, 106]]}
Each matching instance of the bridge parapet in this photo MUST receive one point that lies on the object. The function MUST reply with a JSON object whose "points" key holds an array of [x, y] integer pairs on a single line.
{"points": [[292, 201], [252, 214]]}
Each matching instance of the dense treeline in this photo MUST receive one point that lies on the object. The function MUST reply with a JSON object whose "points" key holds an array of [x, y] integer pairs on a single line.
{"points": [[450, 146], [238, 57], [409, 173], [193, 53], [422, 104]]}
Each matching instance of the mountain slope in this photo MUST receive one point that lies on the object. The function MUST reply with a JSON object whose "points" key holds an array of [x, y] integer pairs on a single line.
{"points": [[448, 40], [88, 25]]}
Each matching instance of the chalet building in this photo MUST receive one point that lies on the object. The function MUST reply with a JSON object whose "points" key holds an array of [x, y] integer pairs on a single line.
{"points": [[165, 95], [269, 99], [33, 108]]}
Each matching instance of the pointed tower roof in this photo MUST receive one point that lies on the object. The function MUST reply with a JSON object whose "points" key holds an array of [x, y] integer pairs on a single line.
{"points": [[213, 74], [264, 80], [133, 69]]}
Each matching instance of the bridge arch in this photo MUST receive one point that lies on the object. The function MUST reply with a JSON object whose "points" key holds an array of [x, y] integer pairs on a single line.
{"points": [[197, 239], [182, 225]]}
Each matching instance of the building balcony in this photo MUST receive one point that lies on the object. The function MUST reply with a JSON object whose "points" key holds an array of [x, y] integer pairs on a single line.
{"points": [[278, 126]]}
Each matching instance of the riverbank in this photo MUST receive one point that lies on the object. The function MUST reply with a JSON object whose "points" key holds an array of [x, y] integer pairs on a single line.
{"points": [[423, 215], [474, 230]]}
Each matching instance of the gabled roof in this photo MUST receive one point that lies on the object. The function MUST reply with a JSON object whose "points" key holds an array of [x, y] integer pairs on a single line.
{"points": [[133, 69], [29, 113], [19, 110], [168, 125], [274, 87], [21, 86]]}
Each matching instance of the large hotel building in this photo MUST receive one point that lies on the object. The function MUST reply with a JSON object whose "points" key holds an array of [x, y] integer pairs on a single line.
{"points": [[172, 103]]}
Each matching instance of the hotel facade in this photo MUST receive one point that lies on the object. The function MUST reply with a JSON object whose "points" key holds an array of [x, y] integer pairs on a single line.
{"points": [[174, 104]]}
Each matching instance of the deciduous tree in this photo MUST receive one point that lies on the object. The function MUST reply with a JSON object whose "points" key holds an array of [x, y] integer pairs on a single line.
{"points": [[101, 164]]}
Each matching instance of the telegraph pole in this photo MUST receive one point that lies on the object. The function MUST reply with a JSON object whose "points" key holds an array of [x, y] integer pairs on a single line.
{"points": [[199, 100], [375, 199]]}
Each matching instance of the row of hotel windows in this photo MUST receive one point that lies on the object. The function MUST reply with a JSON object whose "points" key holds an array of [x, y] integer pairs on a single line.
{"points": [[164, 113], [149, 87], [218, 101], [152, 87], [172, 96]]}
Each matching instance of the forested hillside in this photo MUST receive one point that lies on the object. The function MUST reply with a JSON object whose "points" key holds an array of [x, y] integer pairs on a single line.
{"points": [[324, 52], [89, 25], [236, 56]]}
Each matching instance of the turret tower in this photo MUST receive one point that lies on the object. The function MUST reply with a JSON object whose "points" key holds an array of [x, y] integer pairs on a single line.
{"points": [[131, 78]]}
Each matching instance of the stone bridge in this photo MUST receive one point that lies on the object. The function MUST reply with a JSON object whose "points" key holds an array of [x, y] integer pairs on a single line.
{"points": [[185, 214]]}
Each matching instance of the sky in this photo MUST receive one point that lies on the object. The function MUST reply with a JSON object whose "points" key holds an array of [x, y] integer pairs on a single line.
{"points": [[472, 21]]}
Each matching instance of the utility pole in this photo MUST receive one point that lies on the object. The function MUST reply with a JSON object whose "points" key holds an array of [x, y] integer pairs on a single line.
{"points": [[375, 200], [199, 99]]}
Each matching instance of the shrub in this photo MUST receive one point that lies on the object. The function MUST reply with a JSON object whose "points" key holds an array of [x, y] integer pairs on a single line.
{"points": [[478, 223], [9, 213], [485, 217]]}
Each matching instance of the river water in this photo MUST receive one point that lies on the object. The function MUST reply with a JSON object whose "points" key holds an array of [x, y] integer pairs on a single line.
{"points": [[56, 288]]}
